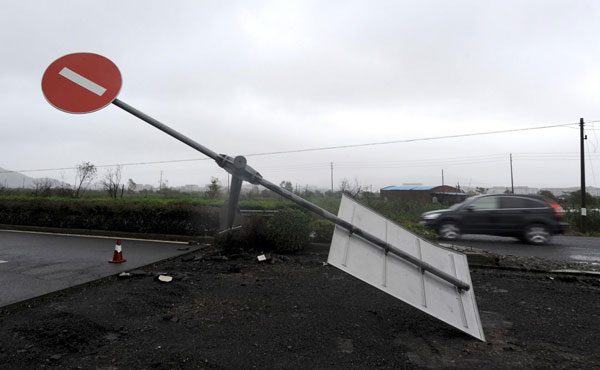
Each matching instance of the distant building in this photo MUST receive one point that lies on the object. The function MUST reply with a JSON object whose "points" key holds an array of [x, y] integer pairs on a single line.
{"points": [[147, 187], [190, 188], [507, 189], [560, 192], [429, 194]]}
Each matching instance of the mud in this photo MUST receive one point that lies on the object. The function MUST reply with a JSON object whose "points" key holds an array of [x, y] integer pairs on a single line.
{"points": [[295, 312]]}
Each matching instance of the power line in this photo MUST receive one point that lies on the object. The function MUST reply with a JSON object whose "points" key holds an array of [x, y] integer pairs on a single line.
{"points": [[426, 162], [413, 140], [317, 148], [109, 165]]}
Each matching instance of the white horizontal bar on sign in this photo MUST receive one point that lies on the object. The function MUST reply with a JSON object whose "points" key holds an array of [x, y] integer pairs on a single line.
{"points": [[82, 81]]}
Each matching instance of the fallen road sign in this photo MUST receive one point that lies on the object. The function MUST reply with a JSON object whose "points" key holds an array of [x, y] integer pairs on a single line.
{"points": [[444, 277], [400, 278]]}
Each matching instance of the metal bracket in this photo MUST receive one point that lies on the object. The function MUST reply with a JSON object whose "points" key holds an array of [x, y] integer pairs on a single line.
{"points": [[238, 167]]}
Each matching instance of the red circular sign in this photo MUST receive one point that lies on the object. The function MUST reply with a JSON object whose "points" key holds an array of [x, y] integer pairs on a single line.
{"points": [[81, 82]]}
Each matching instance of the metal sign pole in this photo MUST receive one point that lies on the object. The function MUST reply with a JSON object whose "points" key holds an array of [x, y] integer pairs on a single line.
{"points": [[166, 129], [365, 235], [242, 172], [239, 164]]}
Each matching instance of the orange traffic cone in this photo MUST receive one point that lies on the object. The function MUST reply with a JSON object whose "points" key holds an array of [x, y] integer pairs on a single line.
{"points": [[118, 255]]}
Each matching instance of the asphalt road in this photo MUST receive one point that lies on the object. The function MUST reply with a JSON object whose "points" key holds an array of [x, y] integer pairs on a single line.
{"points": [[34, 264], [560, 248]]}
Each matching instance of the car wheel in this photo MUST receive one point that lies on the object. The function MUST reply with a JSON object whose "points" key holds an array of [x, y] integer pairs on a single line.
{"points": [[536, 234], [449, 231]]}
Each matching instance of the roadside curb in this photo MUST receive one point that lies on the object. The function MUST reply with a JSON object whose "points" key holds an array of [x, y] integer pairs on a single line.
{"points": [[477, 258], [576, 272], [483, 259], [109, 234]]}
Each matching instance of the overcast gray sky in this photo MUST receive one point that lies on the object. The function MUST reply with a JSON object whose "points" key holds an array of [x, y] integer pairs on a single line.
{"points": [[244, 77]]}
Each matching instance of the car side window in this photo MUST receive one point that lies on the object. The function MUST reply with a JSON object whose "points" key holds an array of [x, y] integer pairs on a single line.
{"points": [[517, 203], [513, 202], [485, 204], [532, 203]]}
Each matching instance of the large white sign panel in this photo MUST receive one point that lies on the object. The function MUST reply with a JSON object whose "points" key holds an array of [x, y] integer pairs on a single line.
{"points": [[400, 278]]}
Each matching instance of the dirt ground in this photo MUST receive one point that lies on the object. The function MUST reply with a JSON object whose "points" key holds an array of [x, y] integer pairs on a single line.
{"points": [[295, 312]]}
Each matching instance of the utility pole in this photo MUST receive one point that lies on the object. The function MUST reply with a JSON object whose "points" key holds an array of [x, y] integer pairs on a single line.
{"points": [[512, 184], [443, 191], [582, 137], [331, 177], [160, 182]]}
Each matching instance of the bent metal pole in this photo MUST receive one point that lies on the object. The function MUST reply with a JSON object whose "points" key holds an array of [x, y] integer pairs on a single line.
{"points": [[166, 129], [237, 167], [365, 235]]}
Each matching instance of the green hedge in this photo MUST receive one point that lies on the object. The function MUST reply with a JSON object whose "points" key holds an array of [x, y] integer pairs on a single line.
{"points": [[322, 230], [142, 217], [287, 231], [592, 222]]}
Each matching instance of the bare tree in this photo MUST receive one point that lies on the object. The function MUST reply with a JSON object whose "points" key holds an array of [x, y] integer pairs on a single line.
{"points": [[287, 185], [86, 173], [62, 188], [43, 187], [351, 189], [112, 181]]}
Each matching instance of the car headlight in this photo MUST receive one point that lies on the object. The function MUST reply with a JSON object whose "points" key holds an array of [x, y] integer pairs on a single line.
{"points": [[431, 216]]}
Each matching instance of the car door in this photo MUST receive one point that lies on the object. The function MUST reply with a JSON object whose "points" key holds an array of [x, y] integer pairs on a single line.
{"points": [[512, 214], [518, 212], [480, 216]]}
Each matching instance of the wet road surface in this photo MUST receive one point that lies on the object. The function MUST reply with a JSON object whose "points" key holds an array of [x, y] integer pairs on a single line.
{"points": [[34, 264], [560, 248]]}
